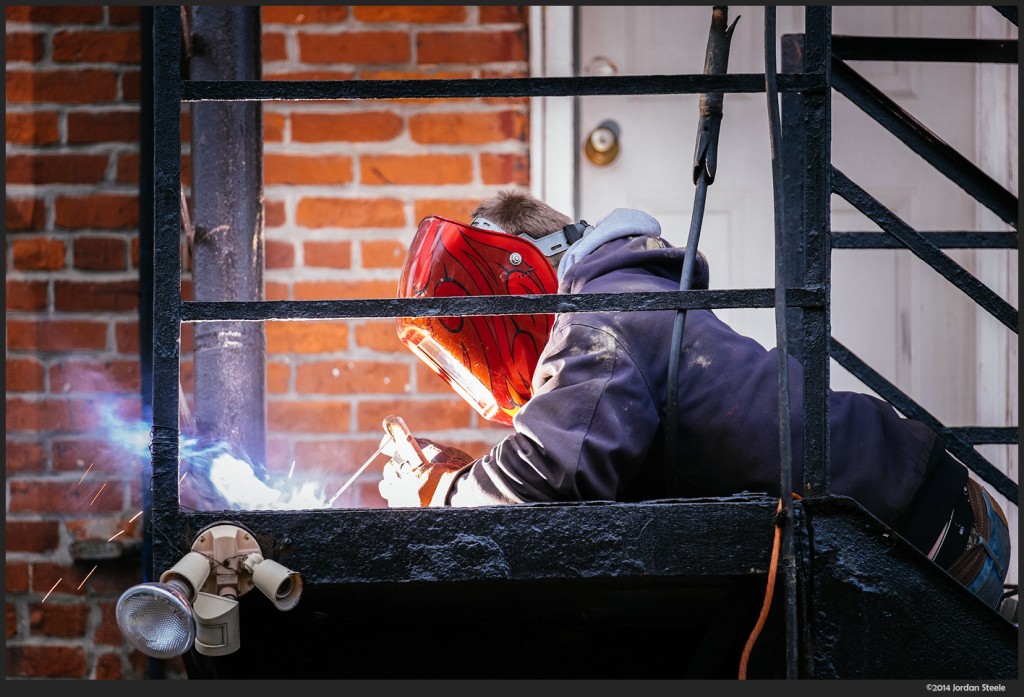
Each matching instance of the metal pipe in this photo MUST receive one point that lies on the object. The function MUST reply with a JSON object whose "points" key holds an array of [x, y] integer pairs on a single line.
{"points": [[227, 251]]}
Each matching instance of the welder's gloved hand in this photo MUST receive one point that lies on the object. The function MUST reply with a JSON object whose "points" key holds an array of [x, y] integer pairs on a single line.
{"points": [[410, 482]]}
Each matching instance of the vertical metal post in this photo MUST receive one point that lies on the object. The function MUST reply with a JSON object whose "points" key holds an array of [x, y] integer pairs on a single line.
{"points": [[227, 251], [794, 136], [166, 278]]}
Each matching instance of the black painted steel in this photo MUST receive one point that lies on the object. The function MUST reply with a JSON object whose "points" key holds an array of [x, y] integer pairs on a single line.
{"points": [[913, 48], [980, 293], [929, 146], [941, 240]]}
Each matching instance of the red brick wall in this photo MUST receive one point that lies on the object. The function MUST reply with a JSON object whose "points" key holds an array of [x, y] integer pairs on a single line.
{"points": [[345, 185]]}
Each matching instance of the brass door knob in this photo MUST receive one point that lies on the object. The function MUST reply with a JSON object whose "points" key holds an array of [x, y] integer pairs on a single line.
{"points": [[602, 144]]}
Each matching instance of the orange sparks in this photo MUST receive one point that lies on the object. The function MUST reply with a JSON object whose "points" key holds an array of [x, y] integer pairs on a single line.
{"points": [[135, 516], [51, 590], [87, 576], [115, 535], [98, 494], [86, 472], [182, 478]]}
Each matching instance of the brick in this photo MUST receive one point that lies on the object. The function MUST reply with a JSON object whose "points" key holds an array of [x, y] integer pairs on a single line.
{"points": [[469, 129], [25, 214], [50, 414], [120, 15], [379, 336], [421, 415], [429, 381], [314, 212], [94, 497], [507, 169], [72, 46], [27, 295], [61, 14], [25, 456], [23, 46], [127, 168], [416, 169], [37, 254], [56, 335], [86, 86], [90, 457], [366, 126], [90, 296], [273, 127], [100, 253], [306, 417], [111, 376], [355, 47], [33, 128], [278, 377], [33, 536], [100, 211], [307, 169], [126, 337], [46, 661], [274, 213], [121, 126], [314, 336], [470, 47], [504, 14], [109, 667], [12, 618], [273, 46], [410, 14], [24, 375], [107, 633], [276, 291], [304, 14], [323, 254], [60, 620], [351, 377], [58, 168], [344, 290], [382, 254], [343, 456], [131, 85], [16, 577], [322, 74], [278, 254], [451, 209]]}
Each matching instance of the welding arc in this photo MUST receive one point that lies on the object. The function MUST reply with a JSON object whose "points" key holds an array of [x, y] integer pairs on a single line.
{"points": [[354, 476]]}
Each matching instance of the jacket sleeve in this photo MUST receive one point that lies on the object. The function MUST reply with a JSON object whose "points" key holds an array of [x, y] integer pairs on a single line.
{"points": [[583, 434]]}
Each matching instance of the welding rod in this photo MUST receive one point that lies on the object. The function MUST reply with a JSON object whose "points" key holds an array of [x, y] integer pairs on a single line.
{"points": [[354, 476]]}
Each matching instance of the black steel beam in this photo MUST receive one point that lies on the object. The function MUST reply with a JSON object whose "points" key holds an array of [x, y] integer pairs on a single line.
{"points": [[955, 440], [929, 146], [942, 240], [467, 88], [927, 252], [911, 48]]}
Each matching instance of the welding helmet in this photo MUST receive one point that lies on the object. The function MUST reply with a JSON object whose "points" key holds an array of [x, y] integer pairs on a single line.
{"points": [[487, 360]]}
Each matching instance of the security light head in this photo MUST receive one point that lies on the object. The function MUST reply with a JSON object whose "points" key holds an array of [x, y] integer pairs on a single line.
{"points": [[157, 619]]}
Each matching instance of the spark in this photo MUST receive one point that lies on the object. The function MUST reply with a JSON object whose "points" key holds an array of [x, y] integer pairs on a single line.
{"points": [[51, 590], [89, 574], [86, 472], [291, 470], [115, 535], [359, 471], [182, 478], [97, 494], [135, 516]]}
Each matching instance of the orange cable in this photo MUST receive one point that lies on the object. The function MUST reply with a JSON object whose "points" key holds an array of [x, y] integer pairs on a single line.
{"points": [[769, 592]]}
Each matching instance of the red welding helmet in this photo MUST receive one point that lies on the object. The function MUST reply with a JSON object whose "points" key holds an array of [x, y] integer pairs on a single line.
{"points": [[488, 360]]}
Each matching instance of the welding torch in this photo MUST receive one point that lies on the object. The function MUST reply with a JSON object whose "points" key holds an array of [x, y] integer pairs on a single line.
{"points": [[398, 444]]}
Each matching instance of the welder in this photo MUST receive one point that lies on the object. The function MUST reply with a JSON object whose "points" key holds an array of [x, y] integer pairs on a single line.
{"points": [[585, 392]]}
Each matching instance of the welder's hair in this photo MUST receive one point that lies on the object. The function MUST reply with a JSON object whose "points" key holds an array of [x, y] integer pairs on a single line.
{"points": [[517, 212]]}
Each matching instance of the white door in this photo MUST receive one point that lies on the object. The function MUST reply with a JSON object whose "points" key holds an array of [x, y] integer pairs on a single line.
{"points": [[888, 307]]}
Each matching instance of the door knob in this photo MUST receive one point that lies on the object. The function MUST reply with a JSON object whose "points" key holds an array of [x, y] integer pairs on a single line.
{"points": [[602, 144]]}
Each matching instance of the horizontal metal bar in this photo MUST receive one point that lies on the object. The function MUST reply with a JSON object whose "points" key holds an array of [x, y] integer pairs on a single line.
{"points": [[494, 305], [942, 240], [909, 48], [918, 138], [987, 435], [986, 298], [288, 90], [954, 442]]}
